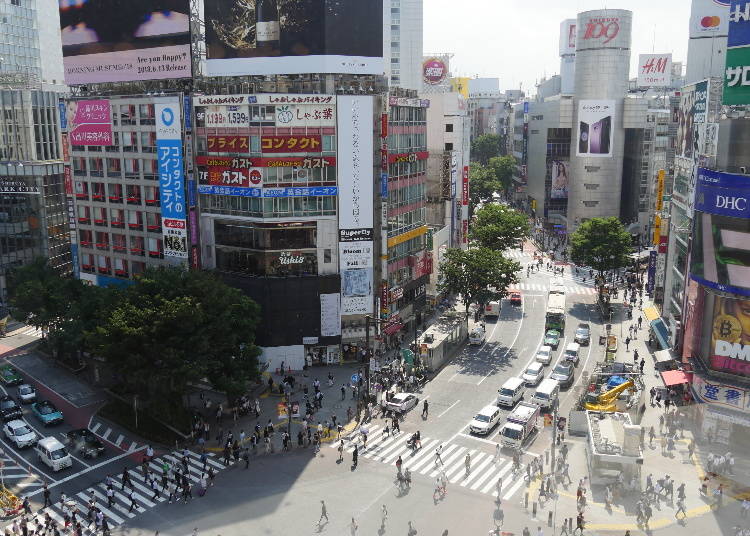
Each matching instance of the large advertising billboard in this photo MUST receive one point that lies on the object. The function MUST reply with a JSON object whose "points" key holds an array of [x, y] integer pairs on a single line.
{"points": [[568, 37], [730, 335], [560, 179], [721, 234], [124, 40], [692, 111], [356, 197], [654, 70], [596, 120], [737, 72], [604, 28], [171, 177], [434, 71], [89, 122], [293, 37], [709, 18]]}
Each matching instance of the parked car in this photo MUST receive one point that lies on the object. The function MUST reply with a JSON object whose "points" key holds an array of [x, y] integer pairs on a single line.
{"points": [[534, 373], [20, 433], [26, 393], [544, 355], [515, 298], [46, 412], [85, 441], [402, 402], [477, 336], [10, 375], [9, 408], [583, 334], [563, 373], [552, 338]]}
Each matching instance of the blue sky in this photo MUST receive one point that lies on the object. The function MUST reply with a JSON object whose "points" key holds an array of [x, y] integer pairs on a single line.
{"points": [[517, 40]]}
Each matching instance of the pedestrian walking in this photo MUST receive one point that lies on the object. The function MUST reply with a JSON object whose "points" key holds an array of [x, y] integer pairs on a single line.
{"points": [[438, 452], [467, 462], [652, 394], [46, 494], [355, 455], [425, 409], [579, 523], [745, 509], [680, 508], [323, 512], [627, 344], [341, 451], [383, 517], [497, 454], [499, 486], [353, 527], [133, 504], [642, 365]]}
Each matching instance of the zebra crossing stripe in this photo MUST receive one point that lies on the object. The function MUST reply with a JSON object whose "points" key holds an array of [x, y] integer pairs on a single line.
{"points": [[217, 464], [424, 454], [499, 474], [484, 477], [454, 473], [398, 441], [448, 461], [119, 494], [117, 519], [115, 505], [513, 489], [477, 471], [443, 455]]}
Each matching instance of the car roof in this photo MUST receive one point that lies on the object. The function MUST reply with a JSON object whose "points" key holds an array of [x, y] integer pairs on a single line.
{"points": [[16, 423], [535, 365], [26, 385], [552, 332], [402, 396], [487, 410], [546, 348], [582, 325], [563, 364]]}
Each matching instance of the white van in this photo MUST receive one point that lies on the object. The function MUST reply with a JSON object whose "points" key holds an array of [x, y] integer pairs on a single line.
{"points": [[485, 420], [547, 393], [571, 354], [492, 309], [53, 453], [511, 392], [477, 336]]}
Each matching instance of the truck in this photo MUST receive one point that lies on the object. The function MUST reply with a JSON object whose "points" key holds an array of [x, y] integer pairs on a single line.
{"points": [[520, 425]]}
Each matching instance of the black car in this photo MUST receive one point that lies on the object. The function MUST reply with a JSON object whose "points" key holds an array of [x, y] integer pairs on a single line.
{"points": [[85, 442], [9, 408], [563, 373]]}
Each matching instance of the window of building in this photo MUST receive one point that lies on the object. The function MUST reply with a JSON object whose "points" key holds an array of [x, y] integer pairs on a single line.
{"points": [[137, 246], [153, 222], [449, 127], [448, 146]]}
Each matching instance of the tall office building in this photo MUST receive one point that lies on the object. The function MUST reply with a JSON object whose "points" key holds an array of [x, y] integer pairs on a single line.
{"points": [[402, 42], [33, 220]]}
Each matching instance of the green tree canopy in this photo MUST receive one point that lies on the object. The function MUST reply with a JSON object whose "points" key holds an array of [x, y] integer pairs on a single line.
{"points": [[601, 243], [498, 227], [482, 184], [479, 275], [173, 327], [503, 167], [38, 295], [485, 147]]}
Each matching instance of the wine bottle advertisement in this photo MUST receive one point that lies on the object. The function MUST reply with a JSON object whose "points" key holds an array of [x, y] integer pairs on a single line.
{"points": [[125, 40], [293, 36], [596, 121]]}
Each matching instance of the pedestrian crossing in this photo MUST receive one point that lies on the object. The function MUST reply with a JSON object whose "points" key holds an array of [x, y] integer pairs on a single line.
{"points": [[16, 477], [120, 511], [541, 287], [29, 331], [111, 435], [485, 474]]}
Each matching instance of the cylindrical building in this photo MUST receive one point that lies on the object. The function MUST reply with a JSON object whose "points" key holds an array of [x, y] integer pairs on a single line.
{"points": [[597, 139]]}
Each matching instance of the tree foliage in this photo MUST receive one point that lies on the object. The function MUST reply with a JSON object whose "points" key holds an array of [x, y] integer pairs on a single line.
{"points": [[174, 327], [503, 167], [485, 147], [482, 184], [498, 227], [479, 275], [601, 243]]}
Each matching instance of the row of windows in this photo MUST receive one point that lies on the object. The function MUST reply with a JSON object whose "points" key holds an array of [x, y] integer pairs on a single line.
{"points": [[407, 195], [282, 207], [137, 245], [400, 169], [411, 114], [132, 194], [118, 218], [114, 167], [105, 265], [406, 222], [407, 142], [273, 176]]}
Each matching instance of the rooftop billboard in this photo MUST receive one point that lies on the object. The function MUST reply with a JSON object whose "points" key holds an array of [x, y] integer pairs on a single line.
{"points": [[293, 37], [124, 40]]}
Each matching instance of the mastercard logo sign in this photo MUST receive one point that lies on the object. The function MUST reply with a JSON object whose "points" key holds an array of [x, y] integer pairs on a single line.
{"points": [[710, 22]]}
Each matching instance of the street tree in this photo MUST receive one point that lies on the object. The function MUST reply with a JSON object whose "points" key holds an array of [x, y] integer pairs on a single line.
{"points": [[601, 243], [503, 167], [38, 295], [479, 275], [482, 184], [174, 327], [485, 147], [498, 227]]}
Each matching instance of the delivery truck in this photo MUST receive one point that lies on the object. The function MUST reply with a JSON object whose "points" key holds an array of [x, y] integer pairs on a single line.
{"points": [[521, 423]]}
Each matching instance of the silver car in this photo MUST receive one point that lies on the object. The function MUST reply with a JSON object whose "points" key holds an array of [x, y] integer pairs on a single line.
{"points": [[26, 393], [20, 433], [402, 402]]}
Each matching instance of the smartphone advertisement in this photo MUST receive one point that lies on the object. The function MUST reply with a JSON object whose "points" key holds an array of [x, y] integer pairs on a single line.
{"points": [[595, 124], [721, 233]]}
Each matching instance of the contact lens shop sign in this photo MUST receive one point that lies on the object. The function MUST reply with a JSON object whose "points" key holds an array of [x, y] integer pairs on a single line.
{"points": [[171, 178]]}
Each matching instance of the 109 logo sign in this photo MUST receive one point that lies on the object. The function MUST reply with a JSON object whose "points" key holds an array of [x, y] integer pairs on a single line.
{"points": [[602, 28]]}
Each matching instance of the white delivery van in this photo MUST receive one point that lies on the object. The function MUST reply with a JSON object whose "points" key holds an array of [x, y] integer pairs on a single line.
{"points": [[572, 353], [485, 420], [547, 393], [53, 453], [511, 392], [492, 309], [477, 336]]}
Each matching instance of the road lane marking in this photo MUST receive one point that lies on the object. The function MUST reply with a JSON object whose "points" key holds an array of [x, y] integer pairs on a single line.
{"points": [[449, 460], [119, 440], [446, 451], [106, 434], [449, 408], [499, 474], [513, 489], [507, 351], [96, 427], [482, 439]]}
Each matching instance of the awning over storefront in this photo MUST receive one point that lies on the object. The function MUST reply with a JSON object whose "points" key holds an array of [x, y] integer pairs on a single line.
{"points": [[660, 332], [390, 329], [652, 313], [674, 377], [663, 356]]}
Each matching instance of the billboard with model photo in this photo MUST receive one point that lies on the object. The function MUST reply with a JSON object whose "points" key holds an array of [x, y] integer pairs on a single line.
{"points": [[730, 336], [293, 36], [721, 234], [595, 127], [125, 40], [692, 112], [560, 179]]}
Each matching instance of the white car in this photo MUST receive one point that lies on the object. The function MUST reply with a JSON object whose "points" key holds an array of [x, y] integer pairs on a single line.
{"points": [[20, 433], [533, 374], [26, 393], [402, 402], [544, 355], [477, 336]]}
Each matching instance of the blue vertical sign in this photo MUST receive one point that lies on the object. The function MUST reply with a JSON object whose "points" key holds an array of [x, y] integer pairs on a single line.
{"points": [[63, 117], [171, 178], [651, 272], [191, 193], [187, 113], [384, 185]]}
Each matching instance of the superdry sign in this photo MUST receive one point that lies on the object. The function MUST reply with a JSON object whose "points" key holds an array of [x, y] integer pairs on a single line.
{"points": [[605, 29], [407, 157]]}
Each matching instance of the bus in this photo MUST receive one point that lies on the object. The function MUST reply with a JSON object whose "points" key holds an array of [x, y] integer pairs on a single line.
{"points": [[555, 316]]}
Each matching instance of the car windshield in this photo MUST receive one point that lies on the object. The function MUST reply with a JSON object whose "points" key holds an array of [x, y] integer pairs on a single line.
{"points": [[59, 453], [582, 331], [46, 410], [541, 395], [532, 371], [25, 390], [482, 418], [6, 404], [22, 430], [560, 369], [511, 433], [543, 352], [506, 392]]}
